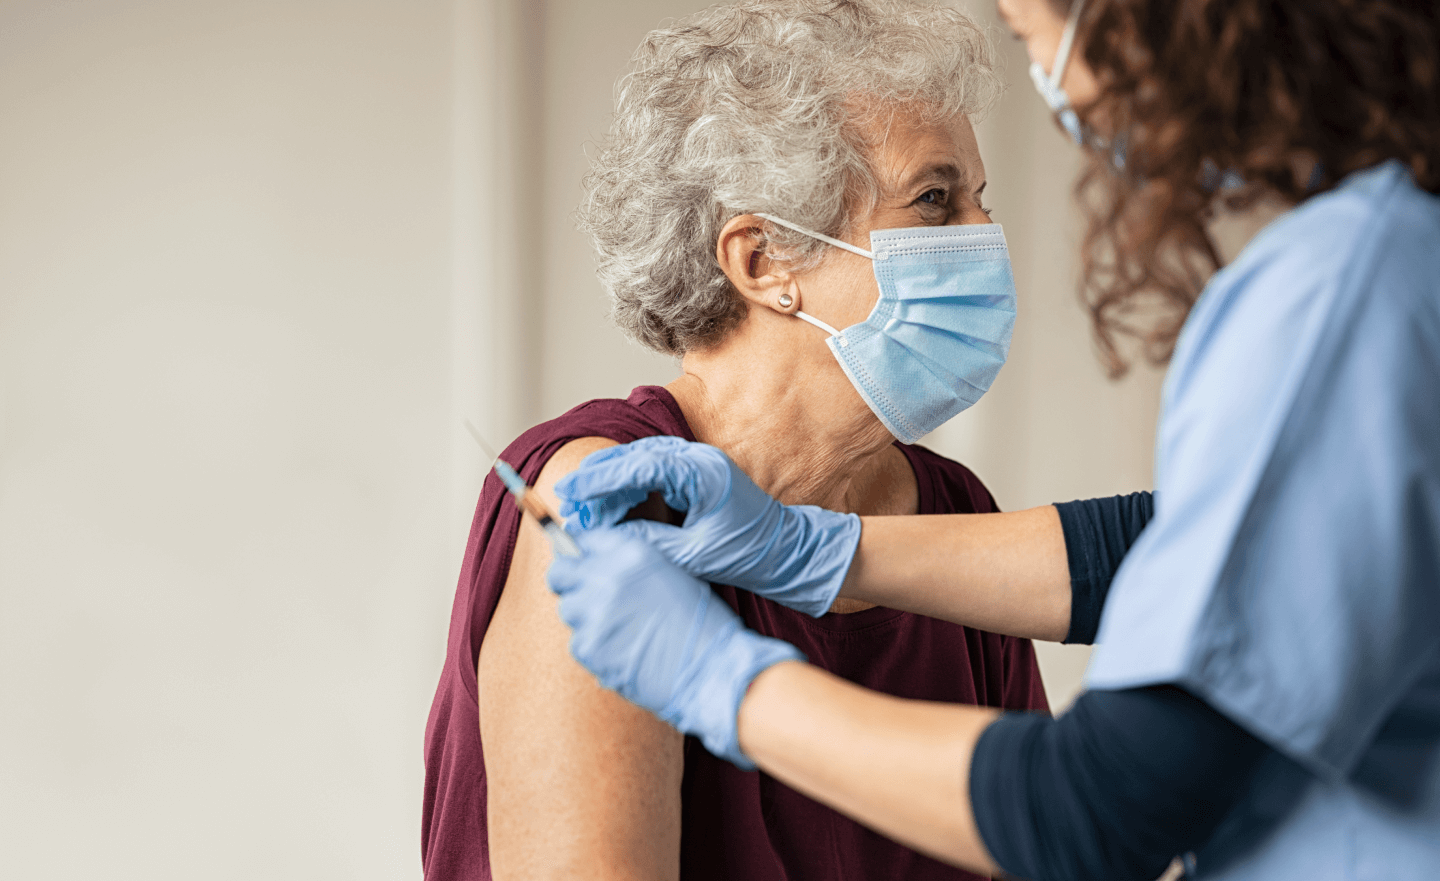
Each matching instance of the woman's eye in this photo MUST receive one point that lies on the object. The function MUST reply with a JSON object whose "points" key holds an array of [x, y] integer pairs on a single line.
{"points": [[936, 196]]}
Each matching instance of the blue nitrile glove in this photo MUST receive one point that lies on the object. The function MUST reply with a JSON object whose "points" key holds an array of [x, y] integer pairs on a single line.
{"points": [[661, 638], [733, 533]]}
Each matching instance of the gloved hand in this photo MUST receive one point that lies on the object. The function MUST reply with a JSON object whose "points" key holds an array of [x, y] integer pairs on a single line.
{"points": [[733, 533], [661, 638]]}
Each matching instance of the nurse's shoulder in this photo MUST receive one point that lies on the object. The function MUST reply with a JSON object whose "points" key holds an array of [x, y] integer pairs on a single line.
{"points": [[1372, 243], [1300, 374], [1376, 206]]}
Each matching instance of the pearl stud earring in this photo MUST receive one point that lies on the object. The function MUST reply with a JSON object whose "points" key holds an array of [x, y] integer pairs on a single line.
{"points": [[785, 301]]}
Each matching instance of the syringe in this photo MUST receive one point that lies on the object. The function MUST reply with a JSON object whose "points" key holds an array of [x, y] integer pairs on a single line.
{"points": [[528, 501]]}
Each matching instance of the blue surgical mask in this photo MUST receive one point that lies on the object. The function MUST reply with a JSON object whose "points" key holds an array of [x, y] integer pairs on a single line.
{"points": [[940, 331]]}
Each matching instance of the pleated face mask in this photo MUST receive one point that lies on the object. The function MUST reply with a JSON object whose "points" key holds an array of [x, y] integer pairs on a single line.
{"points": [[940, 331]]}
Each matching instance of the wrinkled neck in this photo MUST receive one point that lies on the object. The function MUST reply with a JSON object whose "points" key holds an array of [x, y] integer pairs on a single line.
{"points": [[776, 402]]}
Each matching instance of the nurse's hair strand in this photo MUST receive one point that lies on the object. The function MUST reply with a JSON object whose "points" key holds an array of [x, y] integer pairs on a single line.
{"points": [[1204, 87]]}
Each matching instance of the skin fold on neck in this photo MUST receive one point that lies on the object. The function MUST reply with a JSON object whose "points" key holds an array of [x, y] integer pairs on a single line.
{"points": [[759, 408], [800, 441]]}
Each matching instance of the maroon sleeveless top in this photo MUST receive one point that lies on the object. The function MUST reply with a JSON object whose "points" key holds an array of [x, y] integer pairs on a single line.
{"points": [[736, 824]]}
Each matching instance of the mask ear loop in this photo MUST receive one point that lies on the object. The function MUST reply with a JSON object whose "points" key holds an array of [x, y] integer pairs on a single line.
{"points": [[800, 313], [1067, 40], [818, 235]]}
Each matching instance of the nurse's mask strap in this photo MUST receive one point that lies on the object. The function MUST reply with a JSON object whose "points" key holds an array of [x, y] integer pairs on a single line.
{"points": [[1067, 41]]}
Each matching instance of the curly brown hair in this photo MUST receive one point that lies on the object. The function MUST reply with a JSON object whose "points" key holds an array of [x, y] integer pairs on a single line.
{"points": [[1264, 88]]}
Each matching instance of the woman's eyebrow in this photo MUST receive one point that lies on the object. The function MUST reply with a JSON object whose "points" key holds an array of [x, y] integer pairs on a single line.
{"points": [[943, 172]]}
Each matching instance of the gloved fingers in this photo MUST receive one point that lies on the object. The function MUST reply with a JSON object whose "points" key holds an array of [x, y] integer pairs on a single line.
{"points": [[606, 511], [705, 480], [578, 612], [624, 551], [567, 573], [623, 469], [659, 637], [595, 543], [681, 546], [599, 510], [657, 535], [622, 481], [580, 650], [564, 573], [589, 648], [645, 445], [571, 613]]}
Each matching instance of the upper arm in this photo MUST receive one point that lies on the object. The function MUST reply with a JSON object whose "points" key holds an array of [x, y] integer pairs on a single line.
{"points": [[580, 782]]}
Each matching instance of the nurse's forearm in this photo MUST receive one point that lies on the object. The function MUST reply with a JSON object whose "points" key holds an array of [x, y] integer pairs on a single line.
{"points": [[1115, 788], [898, 766], [1006, 573]]}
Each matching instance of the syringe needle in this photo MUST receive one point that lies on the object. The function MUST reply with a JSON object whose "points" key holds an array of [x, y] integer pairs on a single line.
{"points": [[526, 499], [484, 447]]}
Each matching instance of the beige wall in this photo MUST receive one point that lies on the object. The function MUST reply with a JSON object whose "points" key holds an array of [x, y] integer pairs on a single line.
{"points": [[257, 261], [224, 411]]}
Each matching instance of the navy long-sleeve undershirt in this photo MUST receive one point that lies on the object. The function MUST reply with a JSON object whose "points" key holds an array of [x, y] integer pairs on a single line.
{"points": [[1098, 532], [1126, 780], [1115, 789]]}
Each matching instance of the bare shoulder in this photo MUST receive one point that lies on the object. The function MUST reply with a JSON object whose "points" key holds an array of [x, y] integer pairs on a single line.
{"points": [[577, 777], [567, 459]]}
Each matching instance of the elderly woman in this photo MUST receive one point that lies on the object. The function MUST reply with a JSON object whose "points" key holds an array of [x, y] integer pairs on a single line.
{"points": [[739, 131]]}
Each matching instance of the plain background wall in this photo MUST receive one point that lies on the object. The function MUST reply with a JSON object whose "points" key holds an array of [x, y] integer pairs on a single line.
{"points": [[257, 261], [225, 246]]}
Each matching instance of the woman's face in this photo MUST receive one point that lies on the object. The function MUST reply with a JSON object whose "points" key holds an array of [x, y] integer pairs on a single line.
{"points": [[1040, 24], [930, 174]]}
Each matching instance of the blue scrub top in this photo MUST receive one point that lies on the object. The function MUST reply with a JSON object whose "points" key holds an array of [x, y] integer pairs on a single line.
{"points": [[1291, 574]]}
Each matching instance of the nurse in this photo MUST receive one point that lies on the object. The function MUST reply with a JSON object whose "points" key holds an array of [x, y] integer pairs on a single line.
{"points": [[1265, 699]]}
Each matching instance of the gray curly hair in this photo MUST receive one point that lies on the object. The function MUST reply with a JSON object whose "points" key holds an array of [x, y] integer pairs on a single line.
{"points": [[757, 107]]}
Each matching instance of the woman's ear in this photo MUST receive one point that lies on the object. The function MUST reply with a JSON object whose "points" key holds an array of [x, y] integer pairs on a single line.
{"points": [[761, 280]]}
